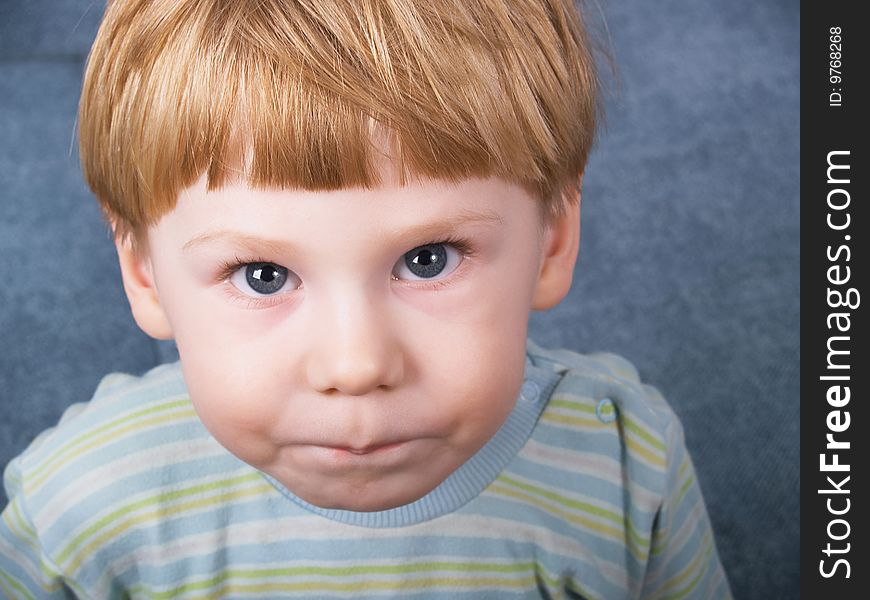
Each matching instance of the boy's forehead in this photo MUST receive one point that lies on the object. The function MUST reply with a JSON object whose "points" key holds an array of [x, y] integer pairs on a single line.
{"points": [[255, 241], [417, 209]]}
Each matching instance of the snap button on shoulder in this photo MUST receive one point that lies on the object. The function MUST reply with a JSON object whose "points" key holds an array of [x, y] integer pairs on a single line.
{"points": [[606, 410], [530, 391]]}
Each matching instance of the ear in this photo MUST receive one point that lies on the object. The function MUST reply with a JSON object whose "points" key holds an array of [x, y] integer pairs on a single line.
{"points": [[560, 247], [138, 277]]}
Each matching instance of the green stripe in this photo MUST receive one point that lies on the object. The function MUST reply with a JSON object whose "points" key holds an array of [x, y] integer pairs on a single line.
{"points": [[8, 519], [574, 421], [394, 569], [684, 593], [677, 579], [644, 434], [551, 582], [575, 587], [6, 579], [631, 425], [613, 533], [571, 405], [134, 428], [166, 513], [640, 543], [563, 500], [160, 498], [92, 433], [386, 569], [59, 458], [616, 518], [683, 490], [637, 433], [20, 521], [224, 584], [636, 448], [659, 539]]}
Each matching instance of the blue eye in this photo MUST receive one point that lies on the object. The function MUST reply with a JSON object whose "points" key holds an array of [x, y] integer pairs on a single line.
{"points": [[262, 279], [428, 262]]}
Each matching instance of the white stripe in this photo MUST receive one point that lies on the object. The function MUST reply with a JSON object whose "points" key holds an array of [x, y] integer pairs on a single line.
{"points": [[593, 501], [287, 531], [158, 508], [25, 561], [36, 455], [601, 466], [301, 529], [677, 540], [129, 465]]}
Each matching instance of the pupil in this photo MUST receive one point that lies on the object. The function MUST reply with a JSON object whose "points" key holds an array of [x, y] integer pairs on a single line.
{"points": [[426, 258], [265, 278], [427, 261]]}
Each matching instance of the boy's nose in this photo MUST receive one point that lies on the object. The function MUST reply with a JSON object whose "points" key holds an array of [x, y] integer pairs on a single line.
{"points": [[355, 352]]}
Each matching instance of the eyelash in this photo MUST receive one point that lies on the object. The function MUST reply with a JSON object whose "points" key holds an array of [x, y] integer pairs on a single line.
{"points": [[227, 268], [465, 249]]}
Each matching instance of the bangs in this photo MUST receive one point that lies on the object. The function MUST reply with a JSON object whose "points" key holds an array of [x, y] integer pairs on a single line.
{"points": [[294, 94]]}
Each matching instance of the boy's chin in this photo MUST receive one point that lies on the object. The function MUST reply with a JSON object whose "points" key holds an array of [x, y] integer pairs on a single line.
{"points": [[373, 498]]}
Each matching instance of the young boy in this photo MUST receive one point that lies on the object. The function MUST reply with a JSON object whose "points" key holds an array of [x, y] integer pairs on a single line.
{"points": [[343, 213]]}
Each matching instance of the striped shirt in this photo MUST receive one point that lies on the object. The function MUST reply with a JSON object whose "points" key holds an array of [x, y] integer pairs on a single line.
{"points": [[587, 491]]}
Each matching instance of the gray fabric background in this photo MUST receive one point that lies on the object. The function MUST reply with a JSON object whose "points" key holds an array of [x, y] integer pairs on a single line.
{"points": [[688, 265]]}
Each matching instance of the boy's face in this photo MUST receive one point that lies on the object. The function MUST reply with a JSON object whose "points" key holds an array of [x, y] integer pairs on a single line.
{"points": [[357, 345]]}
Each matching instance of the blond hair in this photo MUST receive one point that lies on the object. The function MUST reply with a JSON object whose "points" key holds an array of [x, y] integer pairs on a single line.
{"points": [[286, 93]]}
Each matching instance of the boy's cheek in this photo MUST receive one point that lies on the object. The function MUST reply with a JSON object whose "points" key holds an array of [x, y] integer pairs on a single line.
{"points": [[235, 409]]}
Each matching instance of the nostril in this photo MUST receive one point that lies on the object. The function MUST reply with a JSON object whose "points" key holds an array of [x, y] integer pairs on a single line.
{"points": [[352, 376], [354, 357]]}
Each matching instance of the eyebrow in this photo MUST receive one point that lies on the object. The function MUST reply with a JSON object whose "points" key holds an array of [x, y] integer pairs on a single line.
{"points": [[246, 241]]}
